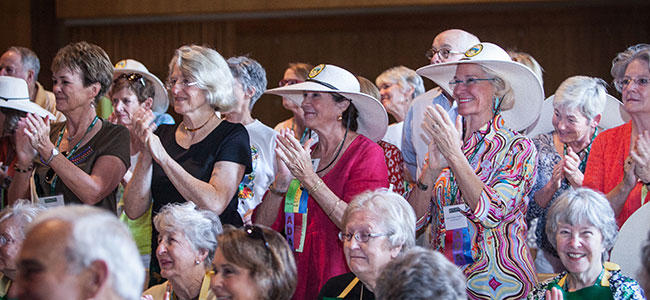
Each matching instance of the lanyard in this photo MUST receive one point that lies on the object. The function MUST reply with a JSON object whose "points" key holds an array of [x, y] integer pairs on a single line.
{"points": [[453, 185], [58, 142]]}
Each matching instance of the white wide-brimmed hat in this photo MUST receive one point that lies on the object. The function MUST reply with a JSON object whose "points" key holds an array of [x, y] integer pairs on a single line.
{"points": [[527, 87], [372, 119], [613, 115], [160, 100], [14, 94]]}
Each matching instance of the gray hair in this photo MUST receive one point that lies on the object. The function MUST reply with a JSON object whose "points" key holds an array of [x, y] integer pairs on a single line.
{"points": [[28, 58], [585, 93], [250, 74], [583, 206], [97, 235], [396, 214], [620, 62], [199, 226], [421, 274], [404, 77], [209, 69], [502, 89], [21, 208]]}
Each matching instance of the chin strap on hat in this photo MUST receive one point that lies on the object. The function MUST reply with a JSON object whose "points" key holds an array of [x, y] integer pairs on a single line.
{"points": [[497, 106]]}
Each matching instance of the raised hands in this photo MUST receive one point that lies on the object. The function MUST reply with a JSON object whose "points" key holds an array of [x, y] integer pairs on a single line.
{"points": [[640, 154], [296, 157], [443, 135]]}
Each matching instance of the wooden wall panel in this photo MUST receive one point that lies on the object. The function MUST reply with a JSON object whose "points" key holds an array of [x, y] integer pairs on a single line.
{"points": [[15, 24]]}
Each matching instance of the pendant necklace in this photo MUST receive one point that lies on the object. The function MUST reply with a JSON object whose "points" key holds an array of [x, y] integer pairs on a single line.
{"points": [[198, 128]]}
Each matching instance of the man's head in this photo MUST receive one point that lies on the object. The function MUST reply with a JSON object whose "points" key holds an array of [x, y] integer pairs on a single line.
{"points": [[78, 252], [22, 63], [449, 45]]}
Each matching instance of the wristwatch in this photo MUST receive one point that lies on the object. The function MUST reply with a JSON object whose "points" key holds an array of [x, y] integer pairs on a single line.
{"points": [[55, 152]]}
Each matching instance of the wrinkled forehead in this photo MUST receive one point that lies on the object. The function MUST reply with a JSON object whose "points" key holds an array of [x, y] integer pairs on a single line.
{"points": [[465, 70]]}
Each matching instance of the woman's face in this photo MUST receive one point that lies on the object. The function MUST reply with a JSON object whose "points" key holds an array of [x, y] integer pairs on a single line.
{"points": [[476, 98], [292, 78], [571, 125], [186, 99], [175, 255], [125, 104], [636, 98], [580, 248], [69, 92], [367, 259], [11, 238], [394, 97], [321, 110], [231, 282]]}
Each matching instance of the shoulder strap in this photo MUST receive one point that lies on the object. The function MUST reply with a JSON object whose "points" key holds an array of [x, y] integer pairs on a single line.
{"points": [[349, 288]]}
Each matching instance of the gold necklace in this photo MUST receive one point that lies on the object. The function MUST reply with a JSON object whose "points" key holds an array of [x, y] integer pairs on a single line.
{"points": [[198, 128]]}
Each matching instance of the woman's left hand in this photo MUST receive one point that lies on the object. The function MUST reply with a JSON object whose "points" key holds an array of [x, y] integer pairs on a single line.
{"points": [[143, 130], [572, 168], [443, 132], [553, 294], [295, 156], [640, 153], [37, 130]]}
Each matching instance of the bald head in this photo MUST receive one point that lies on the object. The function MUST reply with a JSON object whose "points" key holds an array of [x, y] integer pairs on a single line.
{"points": [[455, 40]]}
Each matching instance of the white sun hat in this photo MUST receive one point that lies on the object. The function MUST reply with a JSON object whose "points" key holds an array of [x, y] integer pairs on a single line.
{"points": [[613, 115], [527, 87], [14, 94], [372, 119], [127, 66]]}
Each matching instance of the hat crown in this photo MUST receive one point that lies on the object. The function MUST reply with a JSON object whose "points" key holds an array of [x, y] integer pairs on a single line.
{"points": [[131, 64], [486, 51], [12, 88], [336, 77]]}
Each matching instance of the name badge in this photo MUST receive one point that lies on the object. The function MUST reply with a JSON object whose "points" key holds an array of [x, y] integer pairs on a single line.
{"points": [[454, 217], [51, 201]]}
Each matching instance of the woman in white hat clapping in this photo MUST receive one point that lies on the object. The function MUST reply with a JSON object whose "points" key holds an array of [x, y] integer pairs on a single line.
{"points": [[344, 163], [479, 171]]}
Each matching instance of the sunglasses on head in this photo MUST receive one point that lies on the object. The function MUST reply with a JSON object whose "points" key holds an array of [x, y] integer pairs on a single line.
{"points": [[133, 77]]}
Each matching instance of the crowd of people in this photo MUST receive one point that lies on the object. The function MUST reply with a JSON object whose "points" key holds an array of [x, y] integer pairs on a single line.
{"points": [[479, 189]]}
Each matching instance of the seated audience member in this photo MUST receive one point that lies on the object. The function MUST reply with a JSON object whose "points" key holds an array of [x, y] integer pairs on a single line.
{"points": [[421, 274], [582, 227], [23, 63], [13, 222], [377, 227], [78, 252], [398, 86], [296, 73], [528, 61], [562, 154], [250, 84], [619, 161], [253, 263], [187, 239]]}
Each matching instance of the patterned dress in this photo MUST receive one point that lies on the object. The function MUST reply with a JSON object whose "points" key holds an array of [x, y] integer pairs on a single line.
{"points": [[505, 161], [394, 163]]}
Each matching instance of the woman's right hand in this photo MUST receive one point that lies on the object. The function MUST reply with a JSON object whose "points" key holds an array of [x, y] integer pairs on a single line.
{"points": [[143, 128], [296, 157], [25, 152]]}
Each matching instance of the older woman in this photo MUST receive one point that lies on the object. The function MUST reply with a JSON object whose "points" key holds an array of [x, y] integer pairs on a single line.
{"points": [[577, 107], [202, 159], [344, 163], [398, 86], [378, 226], [186, 242], [582, 227], [421, 274], [83, 159], [477, 203], [13, 222], [295, 73], [253, 263], [619, 162]]}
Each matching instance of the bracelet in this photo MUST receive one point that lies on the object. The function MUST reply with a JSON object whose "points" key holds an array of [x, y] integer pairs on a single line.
{"points": [[421, 185], [19, 170], [275, 191], [316, 186], [54, 153], [333, 209]]}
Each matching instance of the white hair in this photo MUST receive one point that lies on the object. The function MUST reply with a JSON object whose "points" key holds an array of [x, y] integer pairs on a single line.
{"points": [[404, 77], [588, 94]]}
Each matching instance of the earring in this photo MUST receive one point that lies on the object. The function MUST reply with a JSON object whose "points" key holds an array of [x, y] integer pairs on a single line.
{"points": [[197, 262], [339, 118]]}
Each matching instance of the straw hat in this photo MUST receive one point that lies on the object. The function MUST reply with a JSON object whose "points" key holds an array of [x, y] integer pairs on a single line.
{"points": [[160, 100], [527, 87], [613, 115], [14, 94], [372, 119]]}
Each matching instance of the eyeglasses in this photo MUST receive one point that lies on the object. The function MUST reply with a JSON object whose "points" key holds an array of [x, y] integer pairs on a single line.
{"points": [[171, 83], [360, 237], [133, 77], [442, 53], [467, 82], [285, 82], [625, 82], [257, 233]]}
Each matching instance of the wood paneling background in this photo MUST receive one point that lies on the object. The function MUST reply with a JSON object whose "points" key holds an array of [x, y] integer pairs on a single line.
{"points": [[566, 38]]}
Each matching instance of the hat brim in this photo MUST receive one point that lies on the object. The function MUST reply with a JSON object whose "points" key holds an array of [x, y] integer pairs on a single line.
{"points": [[527, 87], [372, 119], [160, 100], [28, 107], [613, 115]]}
